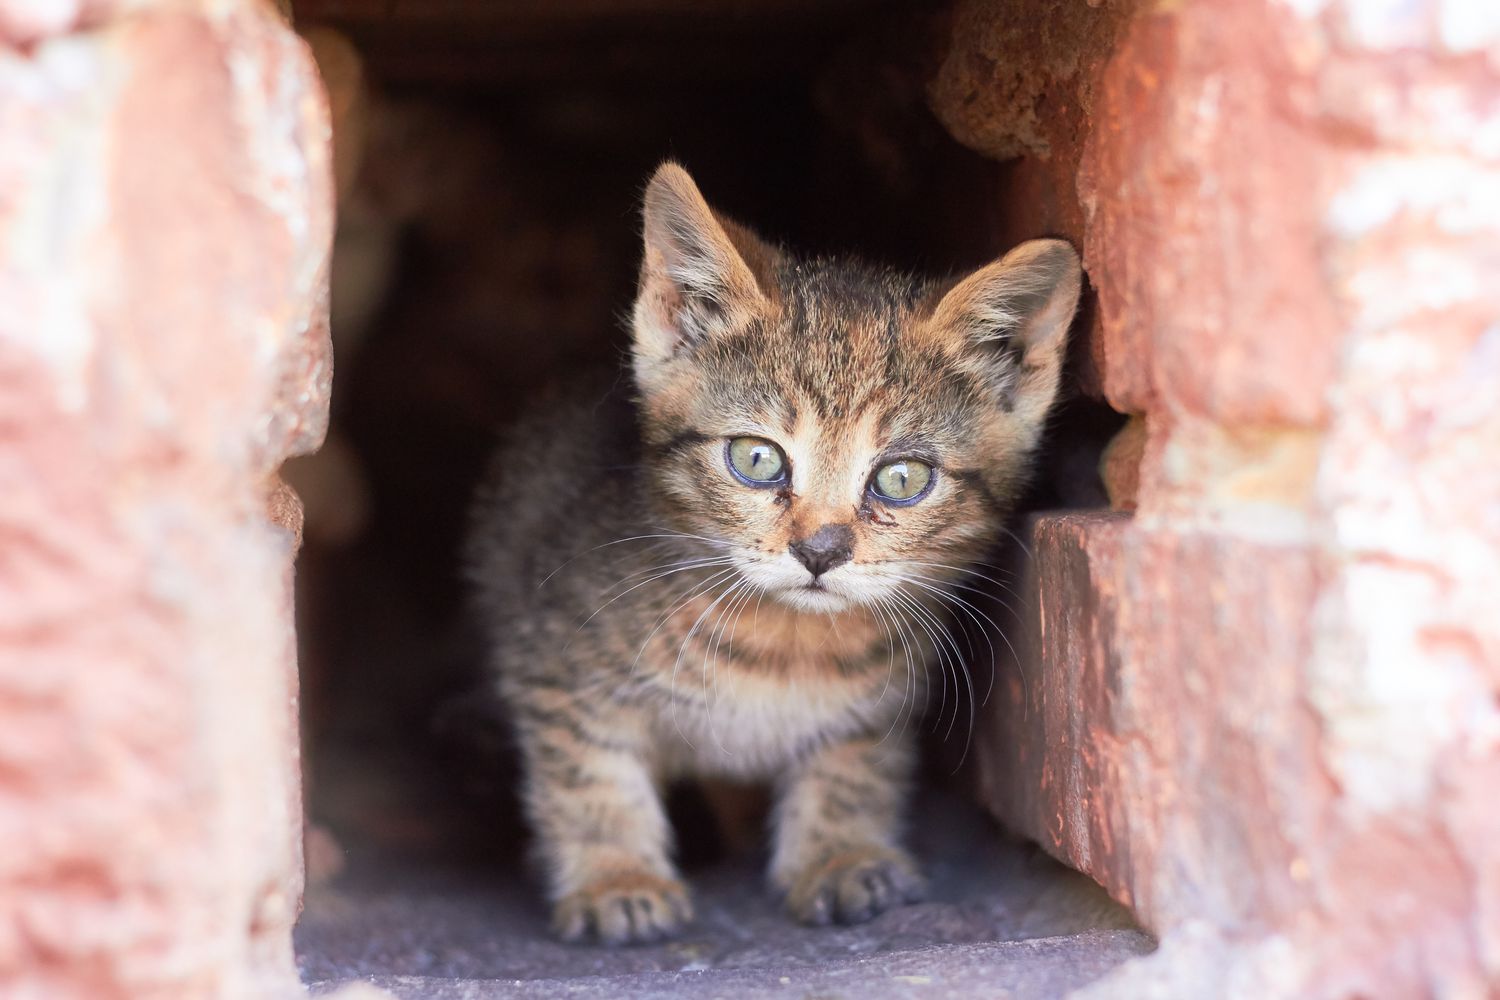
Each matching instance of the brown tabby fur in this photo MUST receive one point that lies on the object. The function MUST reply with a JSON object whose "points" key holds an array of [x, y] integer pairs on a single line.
{"points": [[647, 620]]}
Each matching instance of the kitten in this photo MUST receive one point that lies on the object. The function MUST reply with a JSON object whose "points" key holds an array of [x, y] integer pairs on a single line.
{"points": [[741, 575]]}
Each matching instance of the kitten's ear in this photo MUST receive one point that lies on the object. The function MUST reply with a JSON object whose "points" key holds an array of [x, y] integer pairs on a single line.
{"points": [[696, 273], [1018, 309]]}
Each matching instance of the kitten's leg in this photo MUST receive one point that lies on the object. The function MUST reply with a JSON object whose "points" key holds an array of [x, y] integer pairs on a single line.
{"points": [[838, 820], [599, 824]]}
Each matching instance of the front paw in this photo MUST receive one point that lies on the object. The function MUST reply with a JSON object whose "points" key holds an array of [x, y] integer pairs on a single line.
{"points": [[854, 885], [624, 908]]}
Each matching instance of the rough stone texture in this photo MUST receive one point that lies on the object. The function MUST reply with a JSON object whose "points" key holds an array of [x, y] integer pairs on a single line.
{"points": [[1019, 79], [165, 214], [1036, 969], [1018, 76], [1265, 711], [1002, 916]]}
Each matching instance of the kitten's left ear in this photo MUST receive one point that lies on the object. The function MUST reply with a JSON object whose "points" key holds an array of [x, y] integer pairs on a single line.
{"points": [[1018, 310]]}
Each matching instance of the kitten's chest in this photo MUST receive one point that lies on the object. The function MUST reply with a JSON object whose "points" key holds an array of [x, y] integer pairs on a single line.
{"points": [[747, 705]]}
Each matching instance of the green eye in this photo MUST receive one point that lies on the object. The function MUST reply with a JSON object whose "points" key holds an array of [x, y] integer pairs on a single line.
{"points": [[756, 461], [903, 481]]}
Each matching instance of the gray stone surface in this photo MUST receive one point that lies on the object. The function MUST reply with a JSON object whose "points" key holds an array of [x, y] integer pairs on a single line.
{"points": [[1002, 921], [1036, 969]]}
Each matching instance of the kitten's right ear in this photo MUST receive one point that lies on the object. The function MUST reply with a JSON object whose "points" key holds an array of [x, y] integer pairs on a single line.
{"points": [[1015, 314], [695, 281]]}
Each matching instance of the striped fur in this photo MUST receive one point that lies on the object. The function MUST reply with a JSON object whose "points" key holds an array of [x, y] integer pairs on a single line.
{"points": [[647, 619]]}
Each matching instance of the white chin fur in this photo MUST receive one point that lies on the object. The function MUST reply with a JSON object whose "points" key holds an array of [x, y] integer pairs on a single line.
{"points": [[786, 581], [807, 599]]}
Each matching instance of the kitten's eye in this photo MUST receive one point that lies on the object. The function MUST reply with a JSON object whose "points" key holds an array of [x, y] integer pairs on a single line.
{"points": [[902, 481], [756, 461]]}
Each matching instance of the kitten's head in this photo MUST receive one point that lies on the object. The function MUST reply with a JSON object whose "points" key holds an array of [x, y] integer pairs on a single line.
{"points": [[842, 430]]}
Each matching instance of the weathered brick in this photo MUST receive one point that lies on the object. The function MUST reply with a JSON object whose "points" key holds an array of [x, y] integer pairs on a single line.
{"points": [[1265, 711], [164, 226]]}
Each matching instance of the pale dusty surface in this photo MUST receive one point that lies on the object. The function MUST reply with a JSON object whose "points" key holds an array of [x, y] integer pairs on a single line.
{"points": [[1002, 916]]}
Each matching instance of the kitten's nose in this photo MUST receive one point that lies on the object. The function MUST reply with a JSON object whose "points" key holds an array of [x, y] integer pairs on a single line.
{"points": [[831, 545]]}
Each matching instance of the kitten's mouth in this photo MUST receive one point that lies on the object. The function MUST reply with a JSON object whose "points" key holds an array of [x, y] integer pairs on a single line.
{"points": [[798, 589], [814, 596]]}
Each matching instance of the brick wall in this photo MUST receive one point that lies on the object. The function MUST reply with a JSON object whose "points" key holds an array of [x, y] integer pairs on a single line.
{"points": [[1265, 709], [164, 223]]}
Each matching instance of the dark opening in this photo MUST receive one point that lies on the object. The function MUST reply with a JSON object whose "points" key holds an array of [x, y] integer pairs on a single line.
{"points": [[487, 245]]}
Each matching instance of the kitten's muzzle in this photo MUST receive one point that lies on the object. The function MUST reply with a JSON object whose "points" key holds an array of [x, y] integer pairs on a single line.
{"points": [[830, 546]]}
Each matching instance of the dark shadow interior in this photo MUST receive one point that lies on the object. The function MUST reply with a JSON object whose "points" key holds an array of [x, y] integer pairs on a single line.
{"points": [[489, 245]]}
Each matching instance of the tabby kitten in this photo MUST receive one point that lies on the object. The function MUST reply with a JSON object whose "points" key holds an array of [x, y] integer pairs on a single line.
{"points": [[742, 574]]}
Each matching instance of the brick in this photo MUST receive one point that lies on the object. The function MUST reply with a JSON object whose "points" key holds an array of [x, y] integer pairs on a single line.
{"points": [[1196, 734], [1265, 710], [163, 242]]}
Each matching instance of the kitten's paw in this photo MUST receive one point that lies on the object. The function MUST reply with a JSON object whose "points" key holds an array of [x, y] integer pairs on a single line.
{"points": [[855, 885], [627, 908]]}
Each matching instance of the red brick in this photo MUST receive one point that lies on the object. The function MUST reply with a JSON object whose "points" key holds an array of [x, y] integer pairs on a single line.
{"points": [[163, 242], [1266, 710]]}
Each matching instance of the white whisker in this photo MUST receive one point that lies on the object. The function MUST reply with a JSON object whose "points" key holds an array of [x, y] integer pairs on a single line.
{"points": [[732, 609], [975, 613], [699, 588], [966, 571], [662, 576], [959, 669], [938, 648], [682, 649], [912, 690], [631, 538]]}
